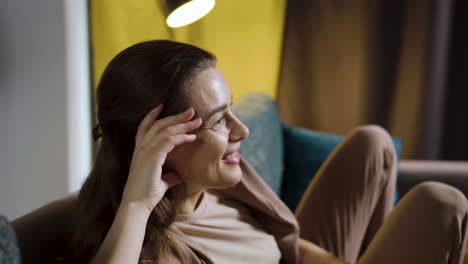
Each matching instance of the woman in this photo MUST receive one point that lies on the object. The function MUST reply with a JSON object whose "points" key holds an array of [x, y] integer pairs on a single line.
{"points": [[169, 186]]}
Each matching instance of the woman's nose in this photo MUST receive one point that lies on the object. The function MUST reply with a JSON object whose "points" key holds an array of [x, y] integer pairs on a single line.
{"points": [[239, 131]]}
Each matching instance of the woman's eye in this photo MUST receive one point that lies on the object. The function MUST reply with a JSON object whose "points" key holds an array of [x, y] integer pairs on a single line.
{"points": [[221, 121]]}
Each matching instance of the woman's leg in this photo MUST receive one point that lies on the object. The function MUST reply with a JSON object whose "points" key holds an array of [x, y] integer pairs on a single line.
{"points": [[427, 226], [351, 194]]}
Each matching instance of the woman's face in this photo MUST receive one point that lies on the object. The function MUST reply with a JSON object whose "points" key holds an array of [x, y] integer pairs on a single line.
{"points": [[212, 160]]}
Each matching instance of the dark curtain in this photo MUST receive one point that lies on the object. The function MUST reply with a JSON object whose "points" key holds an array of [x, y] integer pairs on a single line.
{"points": [[455, 129], [400, 64]]}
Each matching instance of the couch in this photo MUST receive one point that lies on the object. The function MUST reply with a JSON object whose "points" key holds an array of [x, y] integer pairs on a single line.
{"points": [[285, 156]]}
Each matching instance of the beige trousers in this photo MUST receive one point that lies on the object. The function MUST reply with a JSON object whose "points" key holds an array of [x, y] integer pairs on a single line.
{"points": [[348, 208]]}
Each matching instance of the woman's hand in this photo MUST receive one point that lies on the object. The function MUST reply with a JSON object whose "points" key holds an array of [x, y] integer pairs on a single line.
{"points": [[146, 183]]}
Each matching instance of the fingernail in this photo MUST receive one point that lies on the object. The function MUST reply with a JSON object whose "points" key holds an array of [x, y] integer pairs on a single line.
{"points": [[187, 112], [192, 136], [158, 107]]}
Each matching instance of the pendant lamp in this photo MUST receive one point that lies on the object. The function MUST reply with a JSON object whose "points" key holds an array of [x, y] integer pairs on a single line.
{"points": [[180, 13]]}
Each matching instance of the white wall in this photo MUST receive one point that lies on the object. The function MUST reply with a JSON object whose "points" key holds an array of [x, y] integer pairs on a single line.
{"points": [[35, 106]]}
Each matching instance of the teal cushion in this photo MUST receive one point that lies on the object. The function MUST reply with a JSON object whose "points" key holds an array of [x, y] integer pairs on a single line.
{"points": [[263, 149], [306, 150], [9, 250]]}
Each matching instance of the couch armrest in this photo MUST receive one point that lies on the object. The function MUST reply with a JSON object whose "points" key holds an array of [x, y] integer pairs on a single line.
{"points": [[413, 172]]}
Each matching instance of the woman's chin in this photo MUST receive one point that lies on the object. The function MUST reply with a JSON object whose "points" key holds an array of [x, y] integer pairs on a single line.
{"points": [[230, 178], [235, 180]]}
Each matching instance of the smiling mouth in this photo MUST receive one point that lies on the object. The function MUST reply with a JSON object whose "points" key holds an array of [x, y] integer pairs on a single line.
{"points": [[232, 159]]}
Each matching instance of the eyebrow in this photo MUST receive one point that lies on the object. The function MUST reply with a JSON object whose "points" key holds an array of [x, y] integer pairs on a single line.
{"points": [[217, 109]]}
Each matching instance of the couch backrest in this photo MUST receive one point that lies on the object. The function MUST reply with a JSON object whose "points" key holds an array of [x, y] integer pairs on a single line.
{"points": [[263, 149], [44, 233]]}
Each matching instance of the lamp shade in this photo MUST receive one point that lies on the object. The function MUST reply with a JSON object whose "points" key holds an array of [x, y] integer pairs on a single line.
{"points": [[183, 12]]}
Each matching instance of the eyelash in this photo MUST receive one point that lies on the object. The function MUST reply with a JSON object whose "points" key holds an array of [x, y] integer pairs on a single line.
{"points": [[219, 121]]}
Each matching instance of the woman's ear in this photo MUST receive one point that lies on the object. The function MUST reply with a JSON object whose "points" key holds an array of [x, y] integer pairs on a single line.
{"points": [[167, 167], [170, 160]]}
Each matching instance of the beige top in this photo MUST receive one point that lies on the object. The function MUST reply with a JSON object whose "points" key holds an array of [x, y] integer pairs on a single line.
{"points": [[265, 206], [228, 232]]}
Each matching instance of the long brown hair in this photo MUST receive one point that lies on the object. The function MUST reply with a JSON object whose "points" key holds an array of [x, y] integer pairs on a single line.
{"points": [[135, 81]]}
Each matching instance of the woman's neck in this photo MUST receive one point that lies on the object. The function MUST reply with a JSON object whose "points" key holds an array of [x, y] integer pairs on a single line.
{"points": [[186, 198]]}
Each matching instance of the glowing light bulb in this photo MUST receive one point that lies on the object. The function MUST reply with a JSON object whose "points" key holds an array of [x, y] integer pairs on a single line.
{"points": [[189, 12]]}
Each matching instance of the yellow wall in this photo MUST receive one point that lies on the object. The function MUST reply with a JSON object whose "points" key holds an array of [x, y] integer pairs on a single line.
{"points": [[245, 36]]}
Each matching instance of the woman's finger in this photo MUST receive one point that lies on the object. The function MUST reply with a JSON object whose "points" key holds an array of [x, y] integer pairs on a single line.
{"points": [[176, 134], [169, 121], [148, 121], [164, 146], [182, 128]]}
